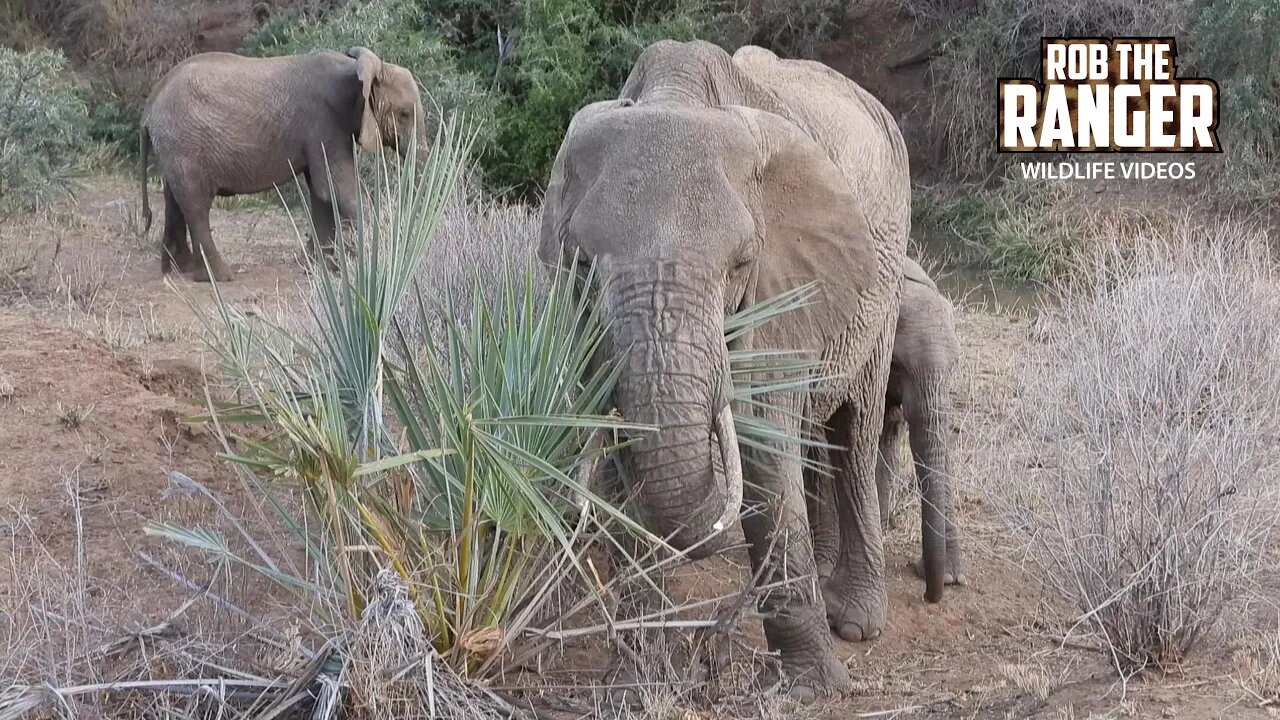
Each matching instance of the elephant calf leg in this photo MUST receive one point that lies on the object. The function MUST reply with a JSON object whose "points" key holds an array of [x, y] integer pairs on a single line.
{"points": [[823, 521], [887, 460]]}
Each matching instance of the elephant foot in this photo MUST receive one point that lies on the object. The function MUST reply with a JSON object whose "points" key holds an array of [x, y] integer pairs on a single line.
{"points": [[856, 611], [221, 273], [806, 681], [182, 262], [953, 573]]}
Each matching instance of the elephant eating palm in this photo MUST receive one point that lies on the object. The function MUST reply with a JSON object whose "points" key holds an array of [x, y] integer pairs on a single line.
{"points": [[221, 124], [711, 183], [925, 353]]}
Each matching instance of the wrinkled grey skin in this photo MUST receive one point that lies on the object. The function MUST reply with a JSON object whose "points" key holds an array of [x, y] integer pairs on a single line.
{"points": [[222, 124], [714, 182], [925, 353]]}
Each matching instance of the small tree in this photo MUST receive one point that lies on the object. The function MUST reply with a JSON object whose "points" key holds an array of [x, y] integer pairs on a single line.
{"points": [[42, 120]]}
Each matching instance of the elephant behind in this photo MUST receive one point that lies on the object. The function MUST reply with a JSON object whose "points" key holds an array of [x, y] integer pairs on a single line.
{"points": [[926, 351], [711, 183], [221, 124]]}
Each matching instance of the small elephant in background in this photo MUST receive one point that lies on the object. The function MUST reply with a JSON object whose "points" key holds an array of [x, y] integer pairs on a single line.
{"points": [[221, 124], [917, 402], [925, 353]]}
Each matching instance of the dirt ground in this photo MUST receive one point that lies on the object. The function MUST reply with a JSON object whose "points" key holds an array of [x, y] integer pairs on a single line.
{"points": [[101, 359]]}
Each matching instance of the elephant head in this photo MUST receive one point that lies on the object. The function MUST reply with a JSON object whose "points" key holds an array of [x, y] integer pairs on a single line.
{"points": [[392, 105], [691, 211]]}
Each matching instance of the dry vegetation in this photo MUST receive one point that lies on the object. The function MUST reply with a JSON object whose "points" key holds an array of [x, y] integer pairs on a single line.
{"points": [[1145, 434]]}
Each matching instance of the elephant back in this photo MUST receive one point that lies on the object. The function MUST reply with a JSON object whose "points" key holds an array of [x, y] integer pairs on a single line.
{"points": [[855, 129], [912, 271]]}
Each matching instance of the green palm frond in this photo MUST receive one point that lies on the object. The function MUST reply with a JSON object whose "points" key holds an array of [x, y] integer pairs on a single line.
{"points": [[763, 377]]}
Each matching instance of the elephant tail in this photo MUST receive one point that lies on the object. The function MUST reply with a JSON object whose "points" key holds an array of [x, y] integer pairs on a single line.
{"points": [[144, 145]]}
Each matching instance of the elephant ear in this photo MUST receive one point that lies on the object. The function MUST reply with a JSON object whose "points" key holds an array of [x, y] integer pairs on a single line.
{"points": [[565, 188], [369, 72], [814, 231]]}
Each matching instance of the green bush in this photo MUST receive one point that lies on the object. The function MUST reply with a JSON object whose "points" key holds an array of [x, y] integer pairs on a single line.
{"points": [[42, 120], [1237, 43], [569, 53], [562, 55]]}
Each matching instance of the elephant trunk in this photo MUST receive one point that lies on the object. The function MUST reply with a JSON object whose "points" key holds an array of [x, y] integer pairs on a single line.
{"points": [[668, 330], [928, 449]]}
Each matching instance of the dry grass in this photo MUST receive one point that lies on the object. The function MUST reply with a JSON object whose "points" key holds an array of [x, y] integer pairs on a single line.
{"points": [[1145, 436], [1257, 661]]}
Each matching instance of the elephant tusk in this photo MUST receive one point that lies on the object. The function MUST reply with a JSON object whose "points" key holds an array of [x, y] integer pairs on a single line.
{"points": [[729, 453]]}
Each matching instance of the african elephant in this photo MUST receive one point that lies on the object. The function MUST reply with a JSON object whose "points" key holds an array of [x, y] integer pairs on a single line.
{"points": [[925, 352], [711, 183], [222, 124]]}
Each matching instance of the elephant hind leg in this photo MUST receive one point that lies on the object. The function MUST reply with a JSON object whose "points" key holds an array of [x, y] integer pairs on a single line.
{"points": [[175, 252], [888, 459]]}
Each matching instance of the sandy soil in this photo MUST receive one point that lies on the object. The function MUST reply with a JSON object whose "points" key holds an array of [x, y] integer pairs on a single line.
{"points": [[101, 360]]}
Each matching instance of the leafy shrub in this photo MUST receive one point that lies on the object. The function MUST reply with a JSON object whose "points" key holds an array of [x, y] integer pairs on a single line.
{"points": [[1147, 483], [562, 55], [569, 53], [1237, 43], [42, 138], [462, 482]]}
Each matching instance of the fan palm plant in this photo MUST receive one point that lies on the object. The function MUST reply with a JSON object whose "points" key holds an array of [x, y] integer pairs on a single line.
{"points": [[461, 462]]}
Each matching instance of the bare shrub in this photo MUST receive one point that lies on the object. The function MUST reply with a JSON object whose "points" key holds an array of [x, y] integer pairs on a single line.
{"points": [[795, 28], [477, 242], [1150, 415]]}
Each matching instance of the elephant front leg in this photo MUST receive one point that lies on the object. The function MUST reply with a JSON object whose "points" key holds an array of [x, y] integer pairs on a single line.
{"points": [[209, 264], [322, 231], [855, 593], [777, 533]]}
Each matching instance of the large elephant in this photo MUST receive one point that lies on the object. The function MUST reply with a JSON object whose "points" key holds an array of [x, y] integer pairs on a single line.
{"points": [[711, 183], [222, 124], [925, 353]]}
